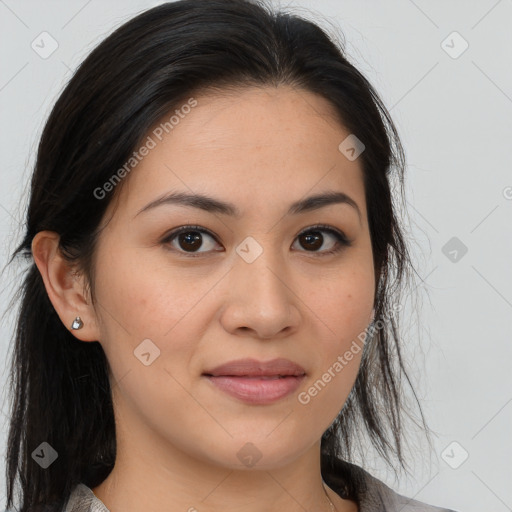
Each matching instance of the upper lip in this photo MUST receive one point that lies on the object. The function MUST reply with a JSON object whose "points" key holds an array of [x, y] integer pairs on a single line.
{"points": [[255, 368]]}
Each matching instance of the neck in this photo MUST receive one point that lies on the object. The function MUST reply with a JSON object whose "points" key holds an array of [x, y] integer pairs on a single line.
{"points": [[150, 482], [152, 474]]}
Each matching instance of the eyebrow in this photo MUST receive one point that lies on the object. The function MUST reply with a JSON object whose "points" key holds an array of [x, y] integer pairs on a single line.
{"points": [[212, 205]]}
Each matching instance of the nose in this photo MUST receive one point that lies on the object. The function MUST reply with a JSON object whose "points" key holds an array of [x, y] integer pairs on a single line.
{"points": [[261, 300]]}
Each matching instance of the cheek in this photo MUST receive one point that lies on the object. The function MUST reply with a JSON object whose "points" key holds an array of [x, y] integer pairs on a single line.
{"points": [[139, 294], [343, 312], [147, 332], [343, 304], [347, 316], [148, 307]]}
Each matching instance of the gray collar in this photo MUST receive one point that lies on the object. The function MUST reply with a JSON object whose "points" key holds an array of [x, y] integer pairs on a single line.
{"points": [[373, 495]]}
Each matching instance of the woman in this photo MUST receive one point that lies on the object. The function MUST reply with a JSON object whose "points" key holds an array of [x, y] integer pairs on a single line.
{"points": [[210, 315]]}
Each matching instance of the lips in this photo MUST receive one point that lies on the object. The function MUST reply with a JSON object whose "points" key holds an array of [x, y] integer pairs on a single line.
{"points": [[253, 368], [257, 382]]}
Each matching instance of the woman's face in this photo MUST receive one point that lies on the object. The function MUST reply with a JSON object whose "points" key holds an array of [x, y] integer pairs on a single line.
{"points": [[252, 278]]}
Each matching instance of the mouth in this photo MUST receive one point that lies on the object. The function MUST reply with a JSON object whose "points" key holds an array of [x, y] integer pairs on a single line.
{"points": [[257, 382]]}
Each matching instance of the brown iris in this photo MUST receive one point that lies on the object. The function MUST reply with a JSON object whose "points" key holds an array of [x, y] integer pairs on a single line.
{"points": [[313, 238], [190, 240]]}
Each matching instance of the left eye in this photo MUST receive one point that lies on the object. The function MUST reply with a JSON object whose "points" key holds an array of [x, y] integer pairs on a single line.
{"points": [[194, 239], [313, 239]]}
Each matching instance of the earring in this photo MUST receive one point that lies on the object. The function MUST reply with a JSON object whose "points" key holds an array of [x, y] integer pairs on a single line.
{"points": [[77, 323]]}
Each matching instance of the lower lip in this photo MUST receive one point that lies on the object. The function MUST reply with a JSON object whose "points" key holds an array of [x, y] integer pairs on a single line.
{"points": [[254, 390]]}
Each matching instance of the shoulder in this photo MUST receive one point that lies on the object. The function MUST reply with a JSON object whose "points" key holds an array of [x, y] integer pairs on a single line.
{"points": [[381, 497], [82, 499], [373, 495]]}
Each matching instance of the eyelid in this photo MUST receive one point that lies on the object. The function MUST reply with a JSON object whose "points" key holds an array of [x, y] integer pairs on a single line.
{"points": [[186, 228], [326, 227]]}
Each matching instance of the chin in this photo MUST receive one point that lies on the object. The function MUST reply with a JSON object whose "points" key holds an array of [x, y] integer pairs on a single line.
{"points": [[256, 455]]}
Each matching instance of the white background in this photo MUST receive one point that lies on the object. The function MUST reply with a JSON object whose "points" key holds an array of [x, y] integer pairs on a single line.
{"points": [[454, 118]]}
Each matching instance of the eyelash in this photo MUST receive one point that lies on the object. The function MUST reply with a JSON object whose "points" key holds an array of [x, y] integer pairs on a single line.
{"points": [[342, 240]]}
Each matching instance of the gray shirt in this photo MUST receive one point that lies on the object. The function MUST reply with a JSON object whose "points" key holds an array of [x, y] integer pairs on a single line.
{"points": [[377, 497]]}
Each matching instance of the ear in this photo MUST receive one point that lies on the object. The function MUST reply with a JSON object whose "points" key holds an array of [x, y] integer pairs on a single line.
{"points": [[65, 288]]}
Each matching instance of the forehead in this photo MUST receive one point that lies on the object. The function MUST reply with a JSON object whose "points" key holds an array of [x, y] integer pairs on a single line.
{"points": [[251, 144]]}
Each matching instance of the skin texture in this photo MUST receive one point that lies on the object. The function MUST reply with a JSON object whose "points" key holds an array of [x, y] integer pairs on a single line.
{"points": [[178, 436]]}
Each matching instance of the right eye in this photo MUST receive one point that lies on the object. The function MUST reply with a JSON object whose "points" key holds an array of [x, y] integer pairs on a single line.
{"points": [[190, 239]]}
